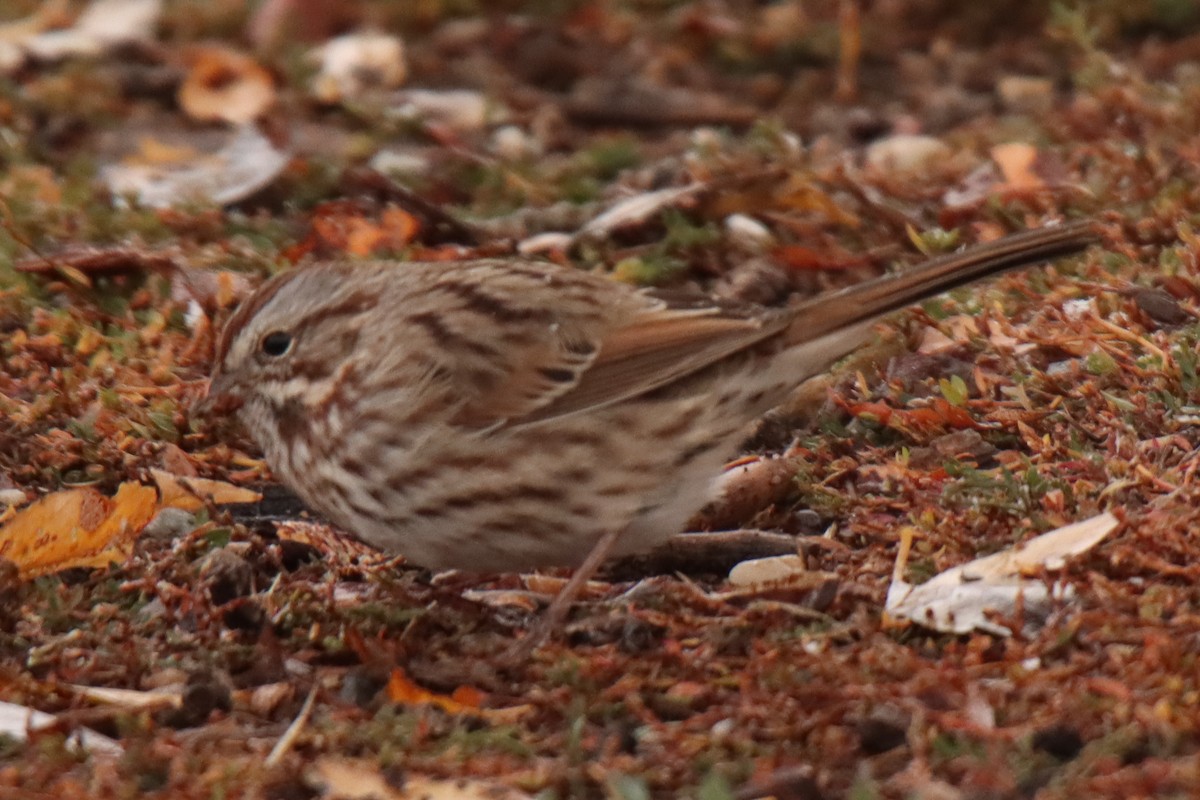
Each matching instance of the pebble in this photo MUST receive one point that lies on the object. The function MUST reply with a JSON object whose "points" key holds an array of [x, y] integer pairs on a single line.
{"points": [[748, 232], [908, 153], [759, 571], [398, 163], [170, 523], [355, 63], [458, 109], [513, 144]]}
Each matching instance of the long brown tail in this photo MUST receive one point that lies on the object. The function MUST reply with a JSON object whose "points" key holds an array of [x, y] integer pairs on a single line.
{"points": [[873, 298]]}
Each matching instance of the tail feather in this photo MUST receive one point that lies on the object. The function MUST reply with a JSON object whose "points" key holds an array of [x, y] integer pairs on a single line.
{"points": [[870, 299]]}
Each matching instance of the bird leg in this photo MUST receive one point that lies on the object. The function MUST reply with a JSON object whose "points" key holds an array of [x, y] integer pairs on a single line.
{"points": [[561, 604]]}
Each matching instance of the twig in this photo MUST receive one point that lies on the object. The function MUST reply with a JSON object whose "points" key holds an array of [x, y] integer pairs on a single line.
{"points": [[293, 732]]}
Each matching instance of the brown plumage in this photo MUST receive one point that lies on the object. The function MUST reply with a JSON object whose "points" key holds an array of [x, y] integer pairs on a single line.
{"points": [[507, 414]]}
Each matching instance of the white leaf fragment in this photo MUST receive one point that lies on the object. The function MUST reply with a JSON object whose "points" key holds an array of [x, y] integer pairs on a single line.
{"points": [[102, 26], [959, 599], [16, 722], [457, 109], [633, 211], [246, 163], [353, 64]]}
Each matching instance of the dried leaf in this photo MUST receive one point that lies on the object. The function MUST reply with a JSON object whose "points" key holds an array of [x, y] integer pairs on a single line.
{"points": [[551, 585], [247, 162], [102, 26], [347, 231], [934, 342], [356, 63], [637, 210], [77, 528], [35, 181], [17, 721], [190, 494], [957, 600], [526, 601], [457, 110], [1016, 161], [806, 259], [401, 689], [212, 290], [49, 15], [223, 84]]}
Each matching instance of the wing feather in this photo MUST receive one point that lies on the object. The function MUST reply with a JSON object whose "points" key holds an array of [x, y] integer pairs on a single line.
{"points": [[527, 342], [652, 351]]}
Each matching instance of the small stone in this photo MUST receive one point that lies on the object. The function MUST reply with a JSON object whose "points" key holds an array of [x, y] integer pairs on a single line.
{"points": [[153, 610], [362, 685], [203, 694], [757, 279], [513, 144], [1061, 741], [265, 700], [1160, 307], [458, 109], [748, 232], [758, 571], [170, 523], [355, 63], [545, 243], [883, 730], [808, 521], [397, 163], [228, 575], [909, 153]]}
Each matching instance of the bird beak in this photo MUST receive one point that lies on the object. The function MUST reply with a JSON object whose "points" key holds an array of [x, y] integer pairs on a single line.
{"points": [[221, 398]]}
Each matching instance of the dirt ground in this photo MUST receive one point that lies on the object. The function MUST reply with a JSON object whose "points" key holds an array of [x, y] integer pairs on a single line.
{"points": [[158, 161]]}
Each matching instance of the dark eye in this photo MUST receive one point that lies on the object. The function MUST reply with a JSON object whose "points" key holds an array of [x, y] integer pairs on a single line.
{"points": [[275, 344]]}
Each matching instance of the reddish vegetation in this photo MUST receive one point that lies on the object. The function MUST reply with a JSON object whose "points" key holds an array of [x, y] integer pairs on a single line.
{"points": [[819, 144]]}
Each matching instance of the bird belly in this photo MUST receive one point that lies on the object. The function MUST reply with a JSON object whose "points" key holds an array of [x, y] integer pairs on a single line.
{"points": [[535, 496], [541, 495]]}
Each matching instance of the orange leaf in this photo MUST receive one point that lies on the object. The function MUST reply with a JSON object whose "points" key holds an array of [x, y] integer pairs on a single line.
{"points": [[880, 412], [363, 237], [180, 491], [798, 257], [401, 689], [468, 696], [401, 226], [331, 229], [36, 181], [950, 415], [1016, 161], [77, 528], [226, 85]]}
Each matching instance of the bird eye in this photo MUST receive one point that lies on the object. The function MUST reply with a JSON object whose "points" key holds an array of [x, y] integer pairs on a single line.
{"points": [[275, 344]]}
